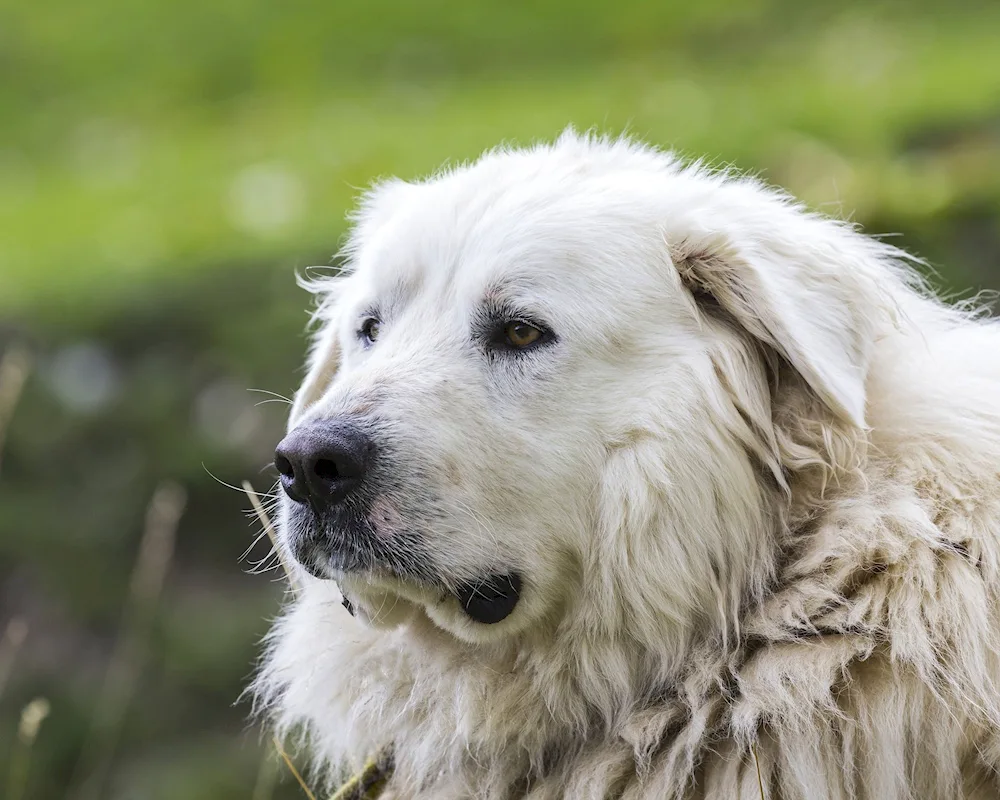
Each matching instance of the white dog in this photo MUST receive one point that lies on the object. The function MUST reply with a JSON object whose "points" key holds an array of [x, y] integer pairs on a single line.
{"points": [[640, 482]]}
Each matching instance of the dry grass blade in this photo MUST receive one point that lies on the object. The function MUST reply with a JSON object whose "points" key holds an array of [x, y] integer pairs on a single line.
{"points": [[14, 368], [155, 555], [32, 717], [265, 520], [760, 780], [291, 768], [266, 778], [10, 645]]}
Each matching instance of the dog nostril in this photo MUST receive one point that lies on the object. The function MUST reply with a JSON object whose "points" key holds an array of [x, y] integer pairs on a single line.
{"points": [[326, 469], [284, 467], [322, 464]]}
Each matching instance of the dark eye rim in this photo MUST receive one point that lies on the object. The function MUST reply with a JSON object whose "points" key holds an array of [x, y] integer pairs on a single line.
{"points": [[499, 340], [365, 331]]}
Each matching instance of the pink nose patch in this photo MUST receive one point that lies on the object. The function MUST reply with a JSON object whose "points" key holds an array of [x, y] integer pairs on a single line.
{"points": [[384, 519]]}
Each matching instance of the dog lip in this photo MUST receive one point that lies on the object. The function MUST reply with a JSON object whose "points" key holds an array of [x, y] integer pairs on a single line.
{"points": [[321, 559], [311, 565], [492, 599]]}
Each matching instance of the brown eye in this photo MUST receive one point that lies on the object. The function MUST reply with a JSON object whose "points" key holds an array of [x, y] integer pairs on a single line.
{"points": [[370, 330], [521, 334]]}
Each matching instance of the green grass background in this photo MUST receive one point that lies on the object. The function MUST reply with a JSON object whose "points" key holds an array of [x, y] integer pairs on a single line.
{"points": [[166, 166]]}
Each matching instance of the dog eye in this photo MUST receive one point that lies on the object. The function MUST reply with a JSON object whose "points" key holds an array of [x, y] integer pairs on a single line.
{"points": [[521, 334], [370, 330]]}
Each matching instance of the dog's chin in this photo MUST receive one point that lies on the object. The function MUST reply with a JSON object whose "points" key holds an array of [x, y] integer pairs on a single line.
{"points": [[375, 607], [382, 600]]}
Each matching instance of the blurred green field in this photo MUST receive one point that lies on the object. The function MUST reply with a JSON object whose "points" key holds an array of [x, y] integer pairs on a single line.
{"points": [[174, 136], [165, 167]]}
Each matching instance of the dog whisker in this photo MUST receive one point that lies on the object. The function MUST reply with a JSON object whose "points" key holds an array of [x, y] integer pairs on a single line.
{"points": [[275, 397]]}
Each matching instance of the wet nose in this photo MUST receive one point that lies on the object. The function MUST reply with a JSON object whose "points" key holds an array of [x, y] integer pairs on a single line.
{"points": [[323, 463]]}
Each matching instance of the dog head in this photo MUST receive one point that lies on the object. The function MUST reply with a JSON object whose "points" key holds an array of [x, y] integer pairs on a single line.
{"points": [[554, 387]]}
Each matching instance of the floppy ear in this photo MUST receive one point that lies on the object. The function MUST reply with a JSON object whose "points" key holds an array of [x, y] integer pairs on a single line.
{"points": [[814, 302], [324, 356]]}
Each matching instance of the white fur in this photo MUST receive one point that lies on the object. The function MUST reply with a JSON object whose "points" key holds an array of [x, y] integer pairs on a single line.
{"points": [[754, 491]]}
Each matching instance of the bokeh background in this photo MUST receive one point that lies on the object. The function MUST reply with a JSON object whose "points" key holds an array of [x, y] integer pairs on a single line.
{"points": [[165, 168]]}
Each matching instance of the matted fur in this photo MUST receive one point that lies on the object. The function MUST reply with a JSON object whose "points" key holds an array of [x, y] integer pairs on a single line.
{"points": [[754, 493]]}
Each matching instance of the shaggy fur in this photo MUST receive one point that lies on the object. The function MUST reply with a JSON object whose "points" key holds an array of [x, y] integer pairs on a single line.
{"points": [[753, 490]]}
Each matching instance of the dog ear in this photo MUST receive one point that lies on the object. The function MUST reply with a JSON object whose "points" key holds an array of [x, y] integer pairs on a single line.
{"points": [[814, 303], [321, 366]]}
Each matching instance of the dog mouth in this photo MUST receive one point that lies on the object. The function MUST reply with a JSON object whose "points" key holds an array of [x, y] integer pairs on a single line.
{"points": [[487, 600]]}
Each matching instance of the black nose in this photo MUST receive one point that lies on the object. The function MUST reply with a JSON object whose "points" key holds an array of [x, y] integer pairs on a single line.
{"points": [[322, 463]]}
